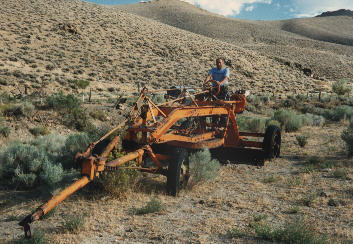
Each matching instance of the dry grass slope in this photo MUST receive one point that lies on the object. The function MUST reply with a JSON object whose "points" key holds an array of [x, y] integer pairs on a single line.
{"points": [[45, 45], [324, 45]]}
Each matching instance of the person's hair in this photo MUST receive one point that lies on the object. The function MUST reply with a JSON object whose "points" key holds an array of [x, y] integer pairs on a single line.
{"points": [[220, 59]]}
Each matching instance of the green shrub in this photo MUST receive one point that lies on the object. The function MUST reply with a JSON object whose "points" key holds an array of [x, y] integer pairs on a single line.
{"points": [[38, 237], [116, 183], [308, 168], [5, 131], [294, 124], [271, 179], [51, 173], [39, 131], [21, 165], [59, 101], [52, 144], [69, 106], [94, 133], [315, 160], [236, 233], [26, 166], [77, 118], [74, 223], [153, 206], [202, 167], [340, 173], [99, 114], [347, 137], [7, 109], [259, 217], [340, 87], [270, 122], [293, 210], [309, 119], [6, 98], [288, 119], [82, 84], [76, 143], [256, 125], [342, 112], [37, 163], [293, 181], [25, 109], [302, 140], [251, 124], [297, 232], [158, 98], [242, 122], [254, 100], [131, 100], [327, 165]]}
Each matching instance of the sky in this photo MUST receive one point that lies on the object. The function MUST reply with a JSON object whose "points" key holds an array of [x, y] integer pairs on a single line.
{"points": [[259, 9]]}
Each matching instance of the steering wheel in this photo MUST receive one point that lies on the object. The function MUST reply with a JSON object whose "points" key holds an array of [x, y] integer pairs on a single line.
{"points": [[213, 86]]}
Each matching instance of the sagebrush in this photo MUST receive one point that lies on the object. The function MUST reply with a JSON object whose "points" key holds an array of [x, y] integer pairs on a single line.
{"points": [[202, 167]]}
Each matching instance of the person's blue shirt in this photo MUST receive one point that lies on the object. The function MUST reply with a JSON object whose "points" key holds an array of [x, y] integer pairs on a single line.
{"points": [[219, 74]]}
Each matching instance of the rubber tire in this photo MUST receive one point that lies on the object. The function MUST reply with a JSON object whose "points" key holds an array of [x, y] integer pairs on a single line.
{"points": [[178, 157], [272, 142]]}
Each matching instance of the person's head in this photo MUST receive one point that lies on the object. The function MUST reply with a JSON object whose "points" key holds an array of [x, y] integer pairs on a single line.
{"points": [[219, 63]]}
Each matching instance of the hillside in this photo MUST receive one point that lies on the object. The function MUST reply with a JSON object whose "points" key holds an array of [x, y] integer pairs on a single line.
{"points": [[324, 45], [53, 43], [340, 12]]}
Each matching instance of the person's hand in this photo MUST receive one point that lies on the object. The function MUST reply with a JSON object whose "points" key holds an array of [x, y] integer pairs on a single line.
{"points": [[216, 82]]}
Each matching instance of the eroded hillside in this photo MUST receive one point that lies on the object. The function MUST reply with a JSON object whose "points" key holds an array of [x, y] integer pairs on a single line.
{"points": [[47, 44], [324, 45]]}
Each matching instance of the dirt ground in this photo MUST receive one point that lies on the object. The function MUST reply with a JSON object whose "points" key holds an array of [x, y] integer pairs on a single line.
{"points": [[209, 211]]}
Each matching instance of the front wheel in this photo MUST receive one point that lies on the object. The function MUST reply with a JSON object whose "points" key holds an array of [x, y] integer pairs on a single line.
{"points": [[272, 142], [178, 172]]}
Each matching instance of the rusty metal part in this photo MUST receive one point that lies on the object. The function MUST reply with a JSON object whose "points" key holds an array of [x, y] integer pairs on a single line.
{"points": [[153, 156], [52, 203], [126, 158], [111, 132], [214, 143]]}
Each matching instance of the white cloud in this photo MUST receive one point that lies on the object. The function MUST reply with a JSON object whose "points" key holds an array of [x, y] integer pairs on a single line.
{"points": [[249, 8], [225, 7], [309, 8]]}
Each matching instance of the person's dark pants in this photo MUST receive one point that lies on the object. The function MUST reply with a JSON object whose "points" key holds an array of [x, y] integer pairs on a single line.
{"points": [[223, 95]]}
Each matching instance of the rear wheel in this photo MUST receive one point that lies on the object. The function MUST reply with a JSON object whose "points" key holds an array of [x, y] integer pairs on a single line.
{"points": [[178, 170], [272, 142]]}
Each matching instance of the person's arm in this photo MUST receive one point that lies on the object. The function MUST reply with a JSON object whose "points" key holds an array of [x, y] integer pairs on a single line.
{"points": [[208, 78], [223, 81]]}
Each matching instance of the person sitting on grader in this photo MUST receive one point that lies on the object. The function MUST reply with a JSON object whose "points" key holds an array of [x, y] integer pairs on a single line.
{"points": [[219, 76]]}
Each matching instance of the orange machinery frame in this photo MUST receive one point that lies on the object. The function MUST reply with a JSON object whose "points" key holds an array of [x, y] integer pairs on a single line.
{"points": [[156, 125]]}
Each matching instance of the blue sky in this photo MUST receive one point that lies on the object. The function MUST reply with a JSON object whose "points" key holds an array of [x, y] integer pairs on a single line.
{"points": [[259, 9]]}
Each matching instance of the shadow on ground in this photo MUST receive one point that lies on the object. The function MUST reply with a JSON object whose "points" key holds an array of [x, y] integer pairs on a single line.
{"points": [[239, 156]]}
